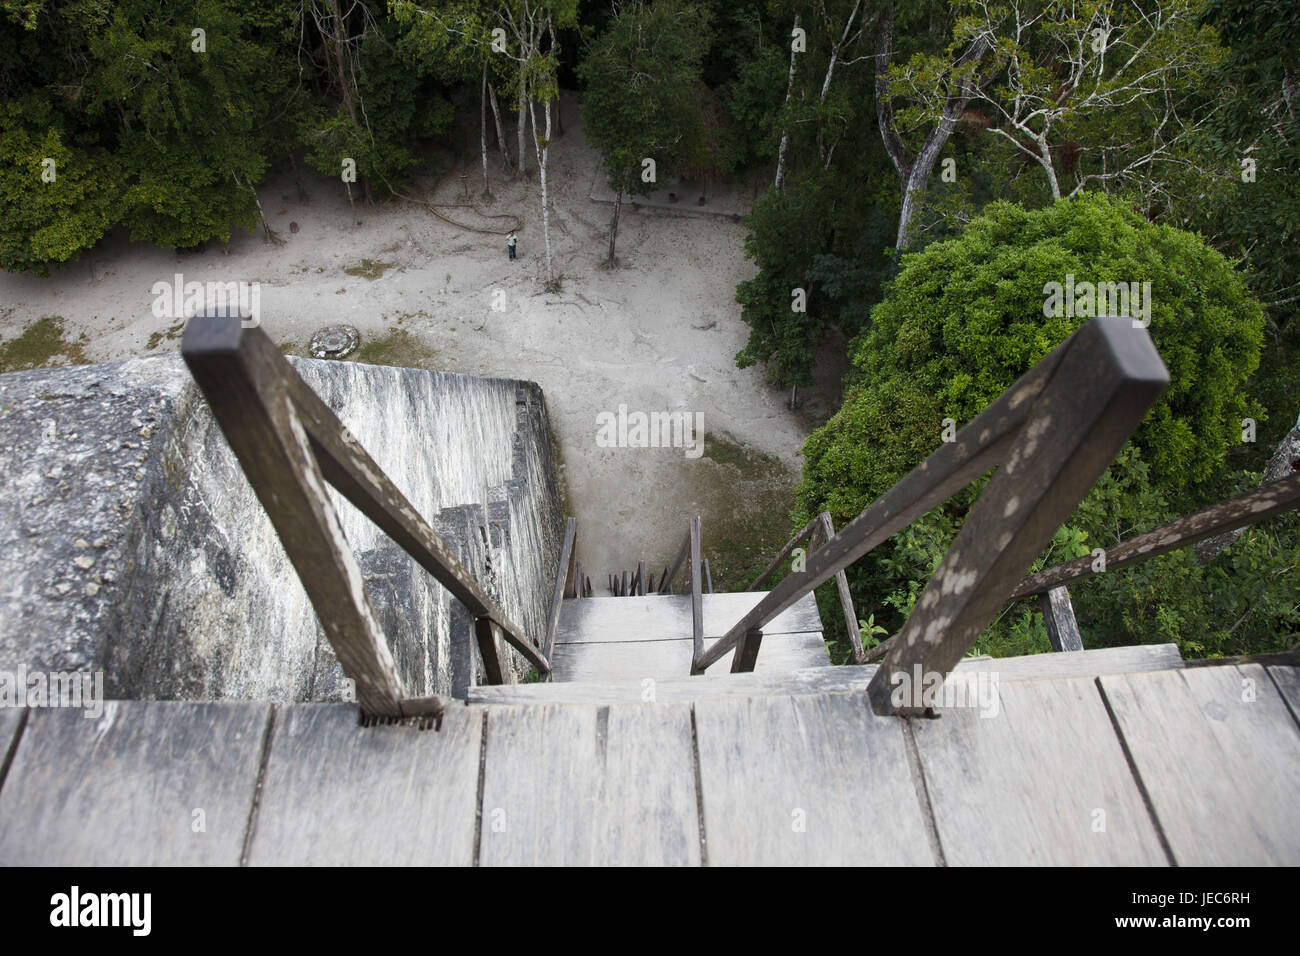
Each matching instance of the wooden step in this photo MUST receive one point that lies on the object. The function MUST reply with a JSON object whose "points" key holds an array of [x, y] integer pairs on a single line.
{"points": [[824, 680], [638, 638], [665, 617]]}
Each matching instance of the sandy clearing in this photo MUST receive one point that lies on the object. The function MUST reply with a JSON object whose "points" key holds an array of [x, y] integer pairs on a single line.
{"points": [[659, 333]]}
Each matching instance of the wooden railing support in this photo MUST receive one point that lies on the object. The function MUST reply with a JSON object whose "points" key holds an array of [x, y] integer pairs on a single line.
{"points": [[1058, 617], [563, 574]]}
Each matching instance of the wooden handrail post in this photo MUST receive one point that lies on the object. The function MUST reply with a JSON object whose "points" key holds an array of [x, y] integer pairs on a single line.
{"points": [[697, 598], [846, 599], [1058, 617], [1050, 435], [568, 549]]}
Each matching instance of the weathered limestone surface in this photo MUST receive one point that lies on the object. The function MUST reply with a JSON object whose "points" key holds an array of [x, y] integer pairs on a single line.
{"points": [[131, 542]]}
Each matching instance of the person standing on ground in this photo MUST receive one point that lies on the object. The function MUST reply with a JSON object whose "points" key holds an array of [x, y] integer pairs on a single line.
{"points": [[510, 243]]}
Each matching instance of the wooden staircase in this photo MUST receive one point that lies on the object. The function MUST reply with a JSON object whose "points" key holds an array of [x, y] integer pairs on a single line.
{"points": [[637, 637]]}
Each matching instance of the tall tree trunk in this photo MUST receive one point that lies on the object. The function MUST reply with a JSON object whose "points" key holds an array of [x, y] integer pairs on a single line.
{"points": [[482, 130], [914, 171], [821, 103], [613, 228], [501, 136], [838, 45], [523, 126], [340, 45], [261, 216], [785, 132], [559, 113], [543, 148]]}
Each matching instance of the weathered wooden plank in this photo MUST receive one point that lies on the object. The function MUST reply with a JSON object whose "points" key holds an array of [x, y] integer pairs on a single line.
{"points": [[1287, 680], [1043, 781], [337, 794], [658, 617], [1219, 755], [832, 680], [1085, 663], [723, 610], [806, 781], [156, 783], [637, 660], [568, 785]]}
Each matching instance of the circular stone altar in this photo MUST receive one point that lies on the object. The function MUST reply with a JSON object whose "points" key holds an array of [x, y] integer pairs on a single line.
{"points": [[335, 341]]}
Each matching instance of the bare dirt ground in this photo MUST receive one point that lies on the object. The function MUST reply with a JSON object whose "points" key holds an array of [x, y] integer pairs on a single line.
{"points": [[657, 333]]}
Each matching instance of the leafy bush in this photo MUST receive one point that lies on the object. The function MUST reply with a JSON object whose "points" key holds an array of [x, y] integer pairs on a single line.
{"points": [[964, 319]]}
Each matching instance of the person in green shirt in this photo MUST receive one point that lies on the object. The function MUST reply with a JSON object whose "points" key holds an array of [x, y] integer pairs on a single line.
{"points": [[510, 243]]}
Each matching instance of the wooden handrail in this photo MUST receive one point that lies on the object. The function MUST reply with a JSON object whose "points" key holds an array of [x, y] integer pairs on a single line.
{"points": [[289, 444], [1246, 509], [817, 532], [1050, 436]]}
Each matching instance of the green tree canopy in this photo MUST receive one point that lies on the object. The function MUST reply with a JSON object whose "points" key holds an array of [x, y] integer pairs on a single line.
{"points": [[965, 318]]}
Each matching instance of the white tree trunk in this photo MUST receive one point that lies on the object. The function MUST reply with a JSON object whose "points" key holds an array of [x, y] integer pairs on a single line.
{"points": [[1045, 160], [523, 126], [613, 228], [501, 135], [785, 133], [914, 171], [922, 166], [482, 130], [542, 156]]}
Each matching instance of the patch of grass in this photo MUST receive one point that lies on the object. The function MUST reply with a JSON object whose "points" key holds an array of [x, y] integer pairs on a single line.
{"points": [[397, 347], [729, 453], [41, 345], [566, 502], [156, 337], [369, 269], [746, 497]]}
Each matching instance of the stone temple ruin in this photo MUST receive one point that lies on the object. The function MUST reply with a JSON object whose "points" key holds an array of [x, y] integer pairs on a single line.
{"points": [[133, 545]]}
